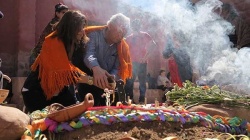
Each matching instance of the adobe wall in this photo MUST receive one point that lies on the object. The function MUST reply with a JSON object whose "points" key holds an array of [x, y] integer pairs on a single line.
{"points": [[19, 31], [24, 21], [20, 28]]}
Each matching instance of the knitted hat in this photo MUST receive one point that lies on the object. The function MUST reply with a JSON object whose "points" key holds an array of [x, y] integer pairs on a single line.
{"points": [[59, 7]]}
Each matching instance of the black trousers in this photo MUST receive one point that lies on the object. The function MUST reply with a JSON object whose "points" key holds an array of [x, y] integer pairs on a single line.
{"points": [[162, 87], [35, 99], [97, 93], [140, 70]]}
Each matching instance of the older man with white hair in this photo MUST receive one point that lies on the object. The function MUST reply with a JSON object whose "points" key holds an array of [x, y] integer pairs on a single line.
{"points": [[107, 55]]}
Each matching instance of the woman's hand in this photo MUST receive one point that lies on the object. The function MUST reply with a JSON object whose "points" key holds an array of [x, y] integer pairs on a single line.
{"points": [[83, 79]]}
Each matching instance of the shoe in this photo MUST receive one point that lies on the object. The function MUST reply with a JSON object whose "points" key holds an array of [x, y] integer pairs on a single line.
{"points": [[133, 101], [141, 99], [141, 103]]}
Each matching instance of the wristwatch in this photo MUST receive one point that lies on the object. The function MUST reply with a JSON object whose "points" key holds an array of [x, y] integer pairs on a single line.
{"points": [[90, 80]]}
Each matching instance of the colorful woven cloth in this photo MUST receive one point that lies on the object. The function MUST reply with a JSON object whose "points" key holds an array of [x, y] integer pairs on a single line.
{"points": [[111, 115]]}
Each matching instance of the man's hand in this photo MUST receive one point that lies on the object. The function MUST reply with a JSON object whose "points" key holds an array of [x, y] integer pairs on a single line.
{"points": [[101, 77]]}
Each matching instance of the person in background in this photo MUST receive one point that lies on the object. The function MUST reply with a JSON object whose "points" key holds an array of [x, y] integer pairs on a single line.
{"points": [[152, 84], [179, 64], [107, 55], [5, 83], [163, 82], [139, 43], [5, 80], [52, 73], [60, 9], [241, 36], [3, 76]]}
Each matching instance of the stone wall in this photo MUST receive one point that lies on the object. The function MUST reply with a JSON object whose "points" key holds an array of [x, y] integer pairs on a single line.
{"points": [[9, 62], [20, 29]]}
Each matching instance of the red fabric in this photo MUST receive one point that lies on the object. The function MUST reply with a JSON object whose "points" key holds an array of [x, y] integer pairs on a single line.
{"points": [[174, 72], [138, 45]]}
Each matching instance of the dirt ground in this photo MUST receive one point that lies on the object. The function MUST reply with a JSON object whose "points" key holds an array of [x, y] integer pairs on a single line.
{"points": [[155, 130]]}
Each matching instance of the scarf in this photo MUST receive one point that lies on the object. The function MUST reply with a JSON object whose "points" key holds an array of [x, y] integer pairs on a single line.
{"points": [[125, 68], [174, 72], [55, 69]]}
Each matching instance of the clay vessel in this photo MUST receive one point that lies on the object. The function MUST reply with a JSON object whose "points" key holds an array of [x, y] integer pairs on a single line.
{"points": [[3, 95], [70, 112]]}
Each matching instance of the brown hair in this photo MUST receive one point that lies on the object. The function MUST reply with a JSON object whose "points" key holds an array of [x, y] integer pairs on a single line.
{"points": [[59, 7], [68, 27], [161, 71]]}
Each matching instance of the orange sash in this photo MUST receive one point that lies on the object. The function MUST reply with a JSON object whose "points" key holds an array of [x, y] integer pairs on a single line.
{"points": [[55, 69]]}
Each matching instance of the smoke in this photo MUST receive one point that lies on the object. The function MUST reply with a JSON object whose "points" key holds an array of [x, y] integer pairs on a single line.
{"points": [[201, 31], [204, 34]]}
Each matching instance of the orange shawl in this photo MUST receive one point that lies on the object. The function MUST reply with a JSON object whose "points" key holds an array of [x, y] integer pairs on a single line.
{"points": [[125, 68], [55, 69]]}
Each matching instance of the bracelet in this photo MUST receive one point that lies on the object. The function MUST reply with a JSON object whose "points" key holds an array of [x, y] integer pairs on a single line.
{"points": [[90, 80]]}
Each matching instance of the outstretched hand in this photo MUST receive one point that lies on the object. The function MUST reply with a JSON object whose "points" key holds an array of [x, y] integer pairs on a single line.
{"points": [[101, 78]]}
